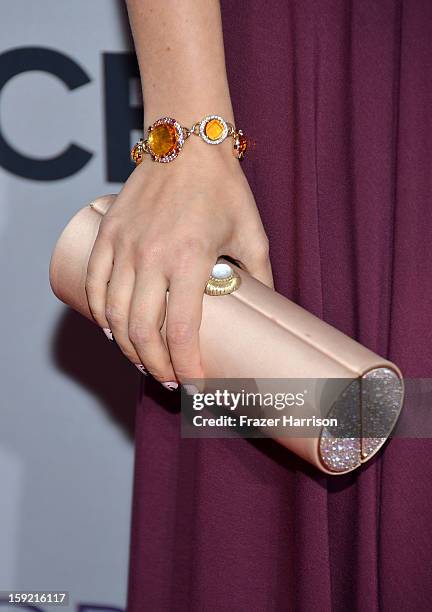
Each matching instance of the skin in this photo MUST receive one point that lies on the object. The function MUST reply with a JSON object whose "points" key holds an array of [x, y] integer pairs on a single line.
{"points": [[170, 222]]}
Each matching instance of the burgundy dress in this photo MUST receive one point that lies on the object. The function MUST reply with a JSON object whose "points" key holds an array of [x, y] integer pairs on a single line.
{"points": [[338, 96]]}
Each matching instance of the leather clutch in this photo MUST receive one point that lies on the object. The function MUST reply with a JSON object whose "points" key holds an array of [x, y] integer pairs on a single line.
{"points": [[255, 333]]}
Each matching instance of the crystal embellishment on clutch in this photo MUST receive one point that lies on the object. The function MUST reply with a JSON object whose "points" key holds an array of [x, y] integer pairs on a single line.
{"points": [[366, 413], [382, 394]]}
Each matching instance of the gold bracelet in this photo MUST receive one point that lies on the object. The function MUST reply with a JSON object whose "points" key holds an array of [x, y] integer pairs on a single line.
{"points": [[166, 137]]}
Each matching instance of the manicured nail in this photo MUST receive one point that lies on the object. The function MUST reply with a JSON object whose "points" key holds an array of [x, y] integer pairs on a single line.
{"points": [[141, 368], [108, 333], [190, 389], [171, 386]]}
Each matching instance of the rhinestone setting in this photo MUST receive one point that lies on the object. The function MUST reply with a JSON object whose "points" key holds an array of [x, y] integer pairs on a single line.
{"points": [[179, 140], [207, 120], [366, 411]]}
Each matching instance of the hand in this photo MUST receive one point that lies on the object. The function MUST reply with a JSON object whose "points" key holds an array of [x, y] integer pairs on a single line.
{"points": [[166, 229]]}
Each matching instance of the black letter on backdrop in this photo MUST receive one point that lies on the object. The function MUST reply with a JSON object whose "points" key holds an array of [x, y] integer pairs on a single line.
{"points": [[120, 117], [19, 60]]}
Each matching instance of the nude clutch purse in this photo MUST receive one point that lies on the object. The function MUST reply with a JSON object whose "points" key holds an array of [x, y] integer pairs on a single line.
{"points": [[255, 333]]}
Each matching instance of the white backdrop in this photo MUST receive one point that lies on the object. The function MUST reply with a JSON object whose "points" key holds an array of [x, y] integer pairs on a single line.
{"points": [[67, 395]]}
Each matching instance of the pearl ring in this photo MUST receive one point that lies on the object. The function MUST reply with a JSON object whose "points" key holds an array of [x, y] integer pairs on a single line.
{"points": [[223, 280]]}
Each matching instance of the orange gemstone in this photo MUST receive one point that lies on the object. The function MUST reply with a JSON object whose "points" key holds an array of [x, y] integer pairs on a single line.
{"points": [[137, 154], [214, 129], [162, 139], [240, 145]]}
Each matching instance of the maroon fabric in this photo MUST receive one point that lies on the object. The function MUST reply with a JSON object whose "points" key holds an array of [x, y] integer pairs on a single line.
{"points": [[338, 95]]}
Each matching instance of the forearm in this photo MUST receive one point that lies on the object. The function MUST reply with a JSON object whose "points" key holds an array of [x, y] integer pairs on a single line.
{"points": [[179, 46], [171, 221]]}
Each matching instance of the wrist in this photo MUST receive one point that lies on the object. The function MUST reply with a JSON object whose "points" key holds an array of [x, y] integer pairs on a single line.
{"points": [[197, 151], [165, 138], [186, 116]]}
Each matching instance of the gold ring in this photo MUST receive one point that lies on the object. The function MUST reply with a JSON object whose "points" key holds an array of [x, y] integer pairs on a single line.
{"points": [[223, 280]]}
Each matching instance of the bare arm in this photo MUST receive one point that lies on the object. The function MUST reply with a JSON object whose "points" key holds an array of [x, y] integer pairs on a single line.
{"points": [[180, 52], [171, 221]]}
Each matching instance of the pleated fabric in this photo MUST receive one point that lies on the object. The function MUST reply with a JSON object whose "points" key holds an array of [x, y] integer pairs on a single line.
{"points": [[337, 95]]}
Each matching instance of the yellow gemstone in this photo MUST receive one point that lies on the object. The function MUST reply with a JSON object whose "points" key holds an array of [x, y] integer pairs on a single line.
{"points": [[214, 129], [162, 139]]}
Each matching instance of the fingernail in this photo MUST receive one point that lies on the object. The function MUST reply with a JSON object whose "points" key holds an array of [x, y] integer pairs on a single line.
{"points": [[190, 389], [171, 386], [108, 333], [141, 368]]}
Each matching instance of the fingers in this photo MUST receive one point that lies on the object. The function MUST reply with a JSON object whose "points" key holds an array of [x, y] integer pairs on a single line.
{"points": [[118, 301], [184, 317], [98, 275], [147, 314]]}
